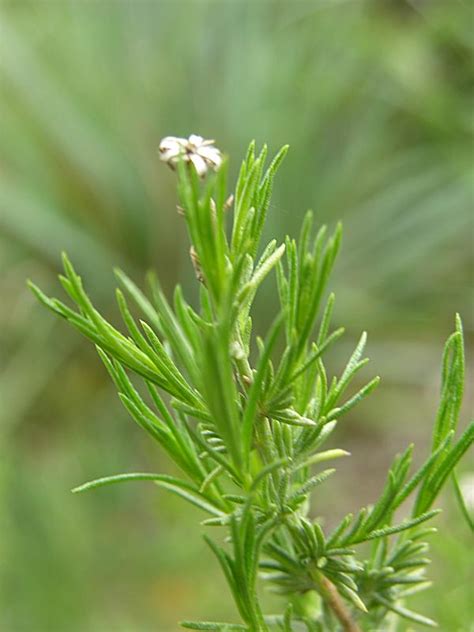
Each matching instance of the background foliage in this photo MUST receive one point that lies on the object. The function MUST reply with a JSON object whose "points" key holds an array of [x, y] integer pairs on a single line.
{"points": [[374, 100]]}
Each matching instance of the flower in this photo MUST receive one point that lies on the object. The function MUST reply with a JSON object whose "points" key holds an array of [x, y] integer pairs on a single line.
{"points": [[193, 150]]}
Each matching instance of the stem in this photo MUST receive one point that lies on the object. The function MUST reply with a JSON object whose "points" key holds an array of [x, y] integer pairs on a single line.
{"points": [[333, 599]]}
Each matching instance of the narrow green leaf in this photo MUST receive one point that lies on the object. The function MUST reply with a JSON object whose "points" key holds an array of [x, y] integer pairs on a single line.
{"points": [[220, 390], [313, 482], [335, 413], [255, 392], [335, 535], [208, 625], [352, 596], [190, 494], [261, 273], [436, 481], [353, 365], [118, 478], [267, 470], [403, 526], [452, 385], [326, 319], [320, 457], [403, 612], [291, 417], [421, 473], [462, 503]]}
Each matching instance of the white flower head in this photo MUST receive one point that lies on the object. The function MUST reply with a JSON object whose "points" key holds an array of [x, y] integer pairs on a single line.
{"points": [[195, 150]]}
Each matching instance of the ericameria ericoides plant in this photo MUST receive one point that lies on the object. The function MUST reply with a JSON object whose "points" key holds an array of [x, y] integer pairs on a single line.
{"points": [[246, 423]]}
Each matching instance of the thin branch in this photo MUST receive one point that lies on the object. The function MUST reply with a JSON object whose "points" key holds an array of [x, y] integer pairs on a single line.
{"points": [[333, 599]]}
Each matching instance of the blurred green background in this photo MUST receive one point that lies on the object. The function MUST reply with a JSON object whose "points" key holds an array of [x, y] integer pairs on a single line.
{"points": [[375, 99]]}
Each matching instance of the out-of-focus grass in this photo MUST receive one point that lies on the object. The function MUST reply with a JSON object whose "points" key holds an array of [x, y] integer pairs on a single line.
{"points": [[373, 98]]}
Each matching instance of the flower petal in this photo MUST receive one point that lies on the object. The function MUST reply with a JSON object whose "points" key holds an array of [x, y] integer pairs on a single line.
{"points": [[199, 163], [212, 155], [169, 154], [172, 140], [195, 140]]}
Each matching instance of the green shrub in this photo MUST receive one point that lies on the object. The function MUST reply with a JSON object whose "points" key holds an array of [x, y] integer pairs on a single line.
{"points": [[245, 417]]}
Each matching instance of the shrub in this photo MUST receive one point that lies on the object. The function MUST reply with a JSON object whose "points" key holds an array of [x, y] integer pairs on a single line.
{"points": [[246, 417]]}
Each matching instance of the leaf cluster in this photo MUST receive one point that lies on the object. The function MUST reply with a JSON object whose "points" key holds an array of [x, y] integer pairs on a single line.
{"points": [[245, 417]]}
